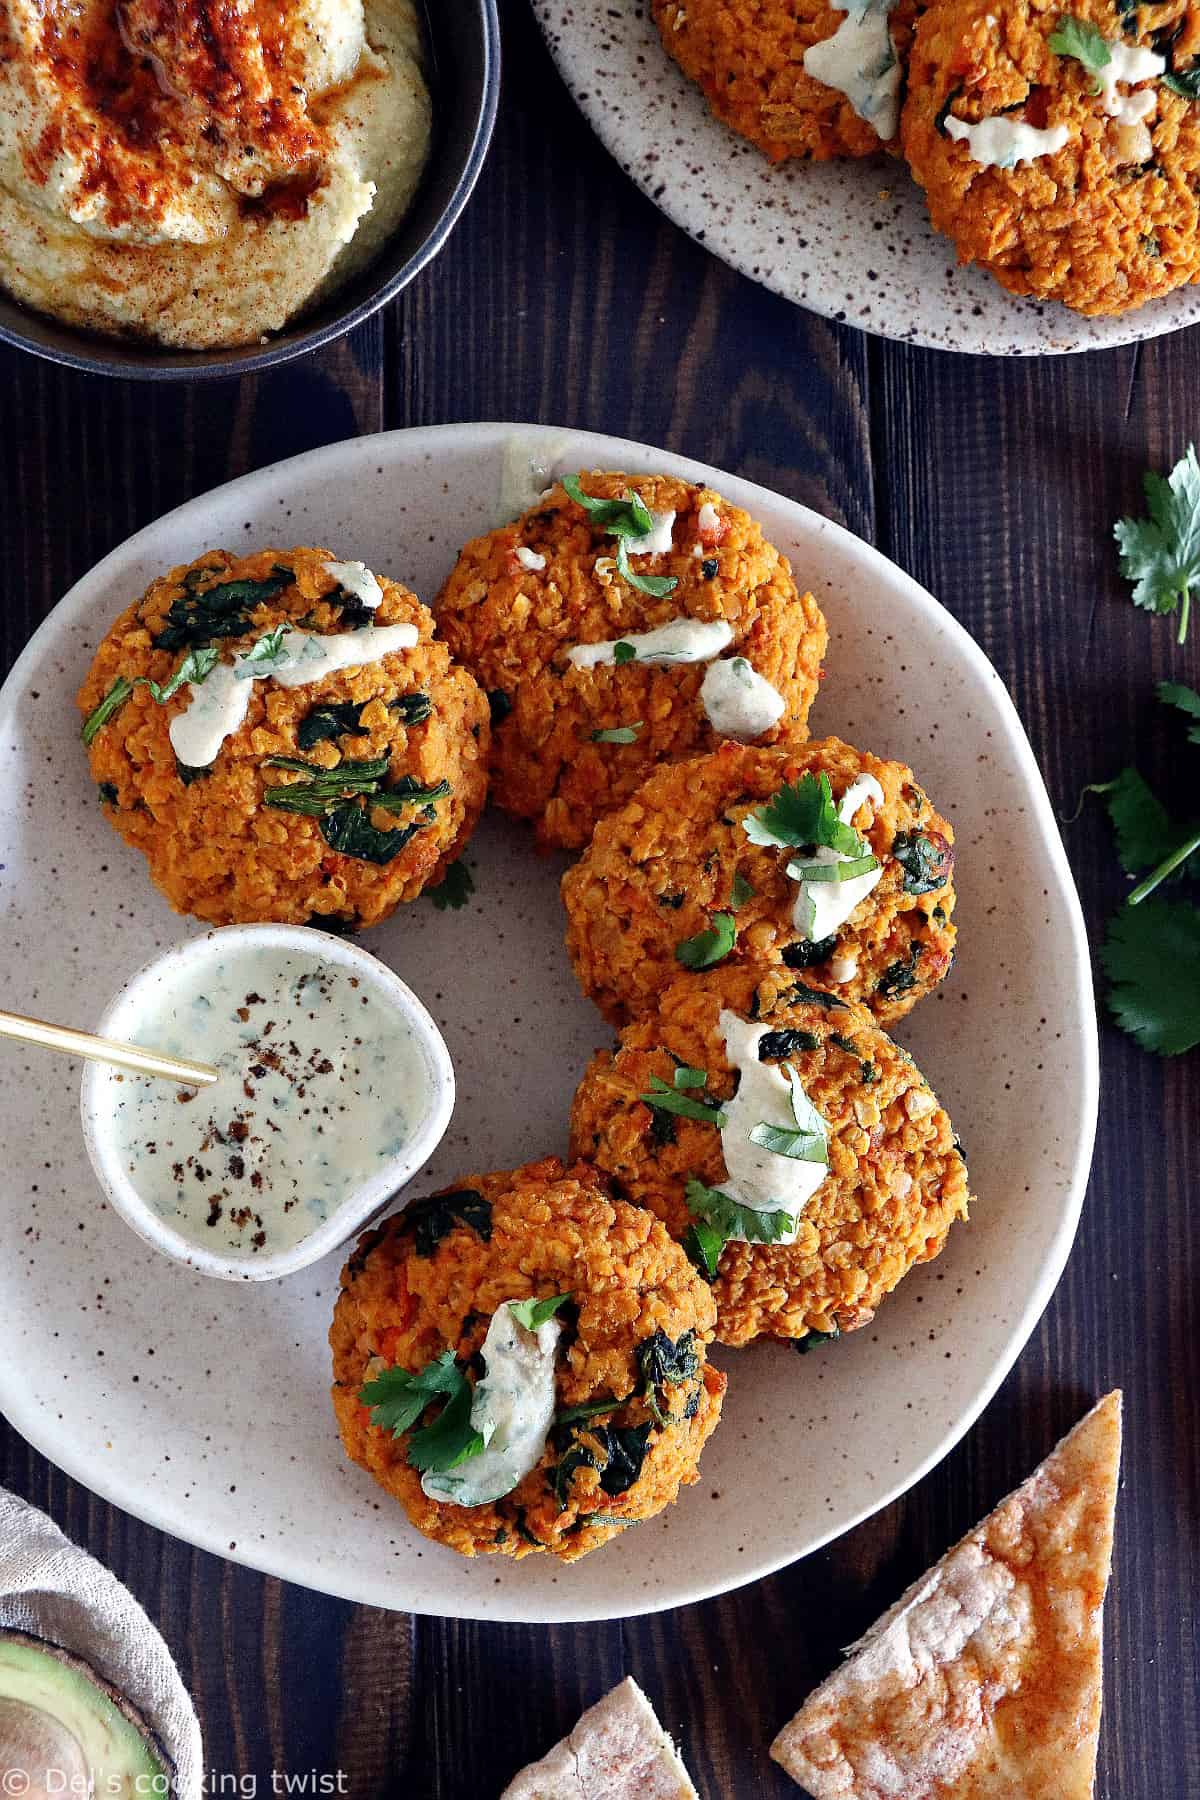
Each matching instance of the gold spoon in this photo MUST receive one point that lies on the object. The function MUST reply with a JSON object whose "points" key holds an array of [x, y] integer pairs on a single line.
{"points": [[106, 1050]]}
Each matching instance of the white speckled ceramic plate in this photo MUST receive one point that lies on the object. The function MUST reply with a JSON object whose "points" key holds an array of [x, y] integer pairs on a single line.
{"points": [[203, 1407], [851, 239]]}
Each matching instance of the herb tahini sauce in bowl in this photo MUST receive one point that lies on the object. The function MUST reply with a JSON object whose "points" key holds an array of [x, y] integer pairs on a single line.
{"points": [[335, 1087]]}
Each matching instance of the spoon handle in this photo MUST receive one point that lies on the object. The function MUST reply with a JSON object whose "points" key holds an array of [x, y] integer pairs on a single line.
{"points": [[106, 1050]]}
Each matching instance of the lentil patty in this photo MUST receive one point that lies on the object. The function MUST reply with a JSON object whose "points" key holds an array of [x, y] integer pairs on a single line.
{"points": [[661, 867], [215, 846], [513, 626], [1105, 223], [748, 58], [896, 1180], [427, 1280]]}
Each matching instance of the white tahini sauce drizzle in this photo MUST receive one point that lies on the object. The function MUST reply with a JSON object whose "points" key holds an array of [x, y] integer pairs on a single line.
{"points": [[1002, 143], [860, 61], [218, 705], [532, 560], [679, 641], [708, 520], [1130, 63], [822, 907], [761, 1179], [358, 580], [740, 703], [512, 1410], [658, 540]]}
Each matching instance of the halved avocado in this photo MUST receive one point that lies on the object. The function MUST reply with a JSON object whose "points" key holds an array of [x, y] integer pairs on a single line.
{"points": [[69, 1732]]}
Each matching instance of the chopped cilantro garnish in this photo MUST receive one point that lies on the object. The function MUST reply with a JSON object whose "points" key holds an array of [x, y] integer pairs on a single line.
{"points": [[710, 946], [532, 1313], [802, 815], [266, 649], [454, 889], [1161, 554], [617, 734], [627, 519], [740, 892], [1082, 41], [726, 1218], [664, 1098], [806, 1142], [397, 1399], [624, 652]]}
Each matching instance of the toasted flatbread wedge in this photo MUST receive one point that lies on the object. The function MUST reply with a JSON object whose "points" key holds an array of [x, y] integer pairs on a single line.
{"points": [[618, 1751], [983, 1681]]}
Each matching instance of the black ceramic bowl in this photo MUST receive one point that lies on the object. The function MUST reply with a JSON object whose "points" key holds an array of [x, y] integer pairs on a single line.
{"points": [[465, 80]]}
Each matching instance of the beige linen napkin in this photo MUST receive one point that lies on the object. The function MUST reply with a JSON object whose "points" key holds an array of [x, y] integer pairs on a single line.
{"points": [[52, 1589]]}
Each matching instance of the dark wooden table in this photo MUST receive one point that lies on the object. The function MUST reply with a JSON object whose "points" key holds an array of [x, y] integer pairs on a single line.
{"points": [[565, 297]]}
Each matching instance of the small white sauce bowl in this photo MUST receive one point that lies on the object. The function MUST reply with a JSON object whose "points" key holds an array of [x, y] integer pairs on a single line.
{"points": [[128, 1016]]}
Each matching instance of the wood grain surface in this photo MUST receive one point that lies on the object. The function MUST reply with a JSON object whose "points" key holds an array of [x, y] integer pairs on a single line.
{"points": [[564, 297]]}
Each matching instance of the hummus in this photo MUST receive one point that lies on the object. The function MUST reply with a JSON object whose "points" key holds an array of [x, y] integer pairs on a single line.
{"points": [[198, 171]]}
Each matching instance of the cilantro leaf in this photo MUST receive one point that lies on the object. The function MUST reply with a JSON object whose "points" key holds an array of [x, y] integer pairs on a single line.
{"points": [[532, 1313], [704, 1244], [1161, 554], [655, 585], [665, 1099], [397, 1398], [1145, 834], [451, 1438], [730, 1219], [740, 892], [266, 649], [802, 815], [1186, 700], [1077, 38], [627, 519], [617, 734], [1152, 958], [807, 1142], [710, 946], [454, 889]]}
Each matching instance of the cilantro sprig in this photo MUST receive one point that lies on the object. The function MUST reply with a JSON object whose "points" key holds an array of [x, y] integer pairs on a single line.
{"points": [[802, 815], [666, 1097], [1161, 554], [626, 519], [397, 1399], [710, 946], [532, 1313], [807, 1140], [1151, 951], [717, 1218], [196, 667], [1082, 41], [454, 889]]}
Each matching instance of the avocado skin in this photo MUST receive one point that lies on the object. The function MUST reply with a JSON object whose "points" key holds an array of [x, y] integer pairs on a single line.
{"points": [[126, 1759]]}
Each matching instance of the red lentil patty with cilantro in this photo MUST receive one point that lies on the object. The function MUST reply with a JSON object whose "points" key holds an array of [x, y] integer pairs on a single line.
{"points": [[521, 1362], [797, 1153], [751, 58], [738, 854], [1101, 104], [282, 746], [621, 622]]}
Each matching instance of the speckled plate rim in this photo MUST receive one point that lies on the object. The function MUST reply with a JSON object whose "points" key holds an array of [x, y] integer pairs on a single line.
{"points": [[336, 462], [712, 159]]}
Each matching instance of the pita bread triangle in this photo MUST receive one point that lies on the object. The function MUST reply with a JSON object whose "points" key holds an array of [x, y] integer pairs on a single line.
{"points": [[617, 1751], [983, 1682]]}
